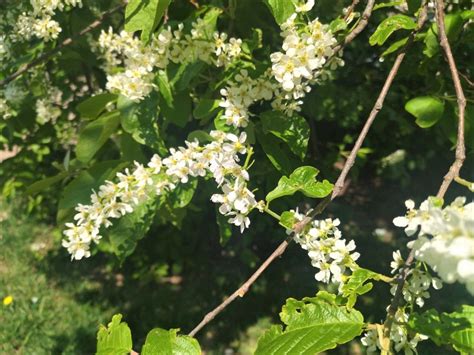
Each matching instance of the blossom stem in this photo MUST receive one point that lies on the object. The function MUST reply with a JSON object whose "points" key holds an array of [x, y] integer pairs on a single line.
{"points": [[463, 182], [272, 213], [247, 159]]}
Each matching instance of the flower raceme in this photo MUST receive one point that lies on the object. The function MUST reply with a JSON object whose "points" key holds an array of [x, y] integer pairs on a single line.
{"points": [[327, 251], [218, 159], [445, 237], [137, 60]]}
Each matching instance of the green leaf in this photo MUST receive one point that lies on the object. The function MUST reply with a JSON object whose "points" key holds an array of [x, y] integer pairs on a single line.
{"points": [[200, 136], [141, 121], [453, 24], [302, 179], [467, 15], [144, 16], [92, 107], [277, 152], [395, 46], [313, 325], [281, 9], [180, 112], [95, 134], [287, 219], [129, 229], [115, 339], [413, 5], [185, 73], [388, 4], [80, 189], [390, 25], [165, 87], [206, 108], [456, 328], [356, 285], [337, 25], [167, 342], [43, 184], [225, 230], [427, 110], [294, 130]]}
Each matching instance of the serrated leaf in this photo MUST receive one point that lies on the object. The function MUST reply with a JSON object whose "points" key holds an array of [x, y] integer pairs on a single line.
{"points": [[95, 134], [456, 328], [356, 285], [93, 106], [115, 339], [144, 16], [302, 179], [281, 9], [294, 130], [312, 326], [390, 25], [427, 110], [168, 342]]}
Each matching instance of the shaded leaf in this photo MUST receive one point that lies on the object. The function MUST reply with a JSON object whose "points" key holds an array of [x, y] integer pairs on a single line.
{"points": [[92, 107], [427, 110]]}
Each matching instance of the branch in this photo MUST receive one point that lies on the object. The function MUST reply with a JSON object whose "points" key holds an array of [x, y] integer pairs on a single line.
{"points": [[65, 43], [453, 170], [241, 291]]}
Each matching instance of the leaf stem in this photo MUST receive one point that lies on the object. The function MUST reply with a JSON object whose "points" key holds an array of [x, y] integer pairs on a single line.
{"points": [[272, 213]]}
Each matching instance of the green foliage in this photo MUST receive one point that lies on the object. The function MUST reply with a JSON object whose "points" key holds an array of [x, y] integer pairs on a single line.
{"points": [[388, 26], [115, 339], [281, 9], [312, 325], [95, 134], [456, 328], [144, 16], [427, 109], [304, 180], [168, 342], [93, 106], [357, 285], [453, 24], [293, 130]]}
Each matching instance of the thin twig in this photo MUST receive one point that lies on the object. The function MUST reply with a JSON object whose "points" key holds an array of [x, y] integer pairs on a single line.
{"points": [[63, 44], [350, 9], [454, 169], [241, 291]]}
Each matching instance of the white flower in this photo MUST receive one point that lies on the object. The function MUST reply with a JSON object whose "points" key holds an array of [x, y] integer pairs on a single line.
{"points": [[305, 6]]}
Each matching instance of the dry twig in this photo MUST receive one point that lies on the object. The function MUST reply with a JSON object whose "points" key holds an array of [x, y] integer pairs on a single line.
{"points": [[453, 170], [241, 291]]}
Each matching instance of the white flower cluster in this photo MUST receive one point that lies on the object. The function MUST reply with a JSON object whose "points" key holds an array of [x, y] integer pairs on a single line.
{"points": [[135, 80], [5, 110], [48, 109], [240, 94], [417, 283], [39, 22], [327, 251], [306, 50], [445, 239], [219, 159], [399, 335]]}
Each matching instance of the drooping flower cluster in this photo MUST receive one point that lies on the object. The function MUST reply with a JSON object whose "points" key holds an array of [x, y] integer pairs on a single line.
{"points": [[39, 21], [399, 335], [137, 61], [445, 239], [240, 94], [307, 51], [417, 284], [327, 251], [218, 159], [48, 108]]}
